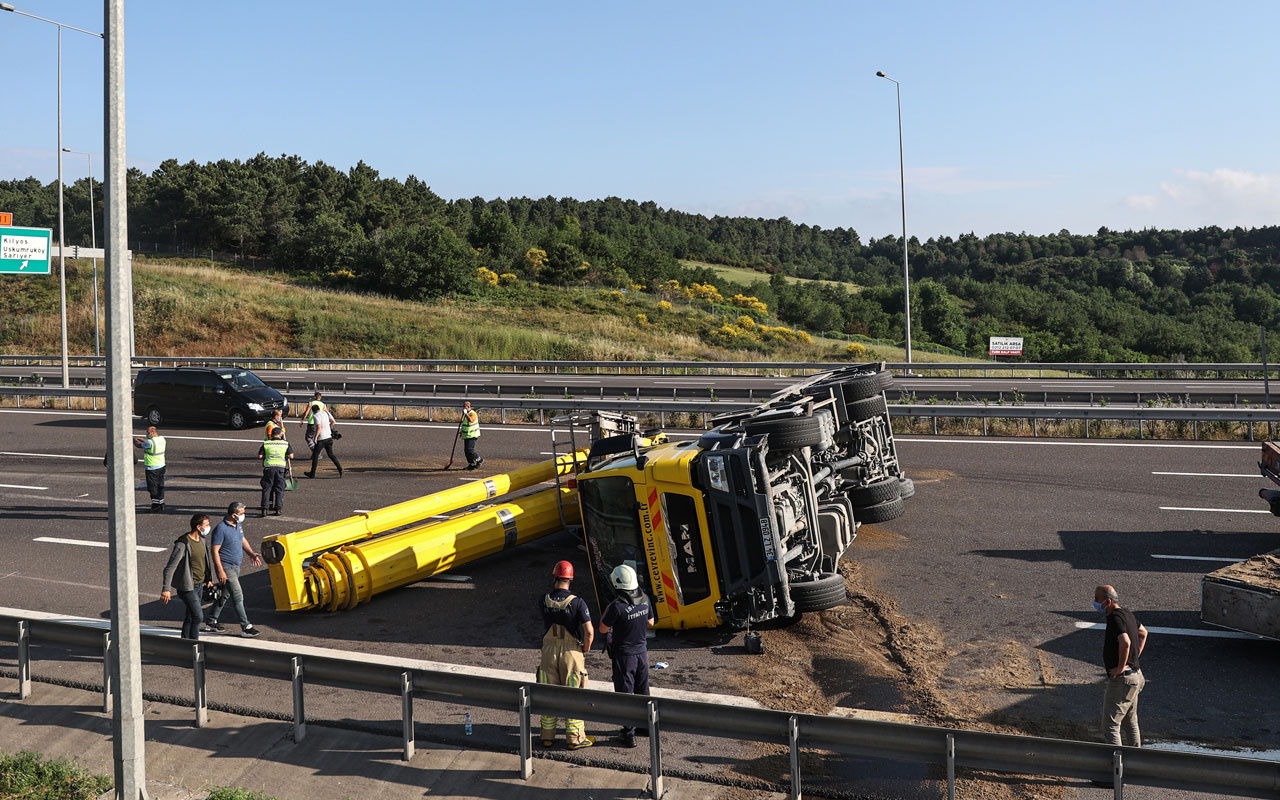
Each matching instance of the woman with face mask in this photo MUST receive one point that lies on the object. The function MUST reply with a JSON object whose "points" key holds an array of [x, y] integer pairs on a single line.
{"points": [[189, 570]]}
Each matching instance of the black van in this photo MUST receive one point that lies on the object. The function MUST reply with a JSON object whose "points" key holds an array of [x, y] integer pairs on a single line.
{"points": [[219, 395]]}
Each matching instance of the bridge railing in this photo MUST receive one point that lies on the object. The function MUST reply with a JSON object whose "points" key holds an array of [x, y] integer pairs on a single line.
{"points": [[943, 747]]}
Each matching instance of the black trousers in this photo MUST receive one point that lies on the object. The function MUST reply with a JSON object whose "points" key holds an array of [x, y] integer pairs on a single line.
{"points": [[327, 446], [631, 676], [273, 488], [155, 486], [469, 447]]}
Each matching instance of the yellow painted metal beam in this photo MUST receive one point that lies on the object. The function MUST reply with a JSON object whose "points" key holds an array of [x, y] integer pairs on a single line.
{"points": [[288, 553], [354, 573]]}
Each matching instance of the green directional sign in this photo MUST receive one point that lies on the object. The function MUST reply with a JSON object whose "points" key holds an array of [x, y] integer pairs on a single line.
{"points": [[25, 251]]}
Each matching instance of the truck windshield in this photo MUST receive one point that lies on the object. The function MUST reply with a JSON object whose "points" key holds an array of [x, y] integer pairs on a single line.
{"points": [[613, 529]]}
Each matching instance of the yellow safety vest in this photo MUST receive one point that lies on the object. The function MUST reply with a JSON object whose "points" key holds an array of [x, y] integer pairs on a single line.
{"points": [[154, 457], [470, 425], [311, 414], [274, 453], [271, 428]]}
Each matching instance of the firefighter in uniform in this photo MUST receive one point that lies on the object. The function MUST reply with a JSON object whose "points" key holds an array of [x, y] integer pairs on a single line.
{"points": [[624, 625], [565, 643], [153, 447], [470, 433], [275, 455]]}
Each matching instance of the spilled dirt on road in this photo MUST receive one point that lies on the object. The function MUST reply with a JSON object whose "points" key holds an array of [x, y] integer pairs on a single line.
{"points": [[867, 659]]}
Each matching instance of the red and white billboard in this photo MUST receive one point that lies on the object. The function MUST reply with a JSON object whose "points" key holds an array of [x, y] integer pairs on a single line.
{"points": [[1005, 346]]}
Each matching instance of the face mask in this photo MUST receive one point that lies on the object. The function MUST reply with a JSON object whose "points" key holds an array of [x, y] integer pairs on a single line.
{"points": [[1098, 606], [204, 531]]}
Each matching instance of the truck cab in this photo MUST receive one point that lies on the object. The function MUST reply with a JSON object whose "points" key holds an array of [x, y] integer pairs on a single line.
{"points": [[747, 522]]}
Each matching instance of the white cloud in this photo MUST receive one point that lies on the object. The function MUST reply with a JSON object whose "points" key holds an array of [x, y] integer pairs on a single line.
{"points": [[1225, 197]]}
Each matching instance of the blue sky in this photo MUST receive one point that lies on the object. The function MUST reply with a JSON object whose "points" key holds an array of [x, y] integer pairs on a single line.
{"points": [[1018, 116]]}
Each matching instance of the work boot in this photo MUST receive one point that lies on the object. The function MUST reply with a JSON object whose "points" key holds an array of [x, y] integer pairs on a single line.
{"points": [[309, 474], [586, 742], [262, 511], [627, 739], [276, 512], [479, 461]]}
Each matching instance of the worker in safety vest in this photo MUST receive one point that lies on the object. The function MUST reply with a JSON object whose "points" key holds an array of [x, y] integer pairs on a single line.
{"points": [[470, 432], [276, 455], [275, 423], [565, 642], [153, 447], [309, 418]]}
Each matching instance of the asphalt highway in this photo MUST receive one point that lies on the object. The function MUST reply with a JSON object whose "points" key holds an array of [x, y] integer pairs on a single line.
{"points": [[999, 552]]}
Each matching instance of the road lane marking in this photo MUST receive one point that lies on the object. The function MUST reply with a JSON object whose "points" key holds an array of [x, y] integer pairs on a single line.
{"points": [[22, 577], [1202, 558], [53, 411], [49, 455], [85, 543], [1217, 510], [1214, 634], [979, 440], [1211, 474], [20, 486]]}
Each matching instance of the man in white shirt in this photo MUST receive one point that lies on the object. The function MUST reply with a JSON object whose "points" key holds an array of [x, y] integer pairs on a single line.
{"points": [[324, 438]]}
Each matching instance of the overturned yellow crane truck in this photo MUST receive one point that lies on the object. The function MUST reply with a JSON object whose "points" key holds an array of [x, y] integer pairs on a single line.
{"points": [[743, 524]]}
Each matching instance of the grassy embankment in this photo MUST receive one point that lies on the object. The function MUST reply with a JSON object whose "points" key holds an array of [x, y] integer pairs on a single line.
{"points": [[199, 309], [746, 277], [30, 776]]}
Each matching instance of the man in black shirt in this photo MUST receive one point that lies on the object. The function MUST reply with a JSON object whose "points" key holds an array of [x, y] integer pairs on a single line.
{"points": [[566, 639], [1121, 647], [625, 623]]}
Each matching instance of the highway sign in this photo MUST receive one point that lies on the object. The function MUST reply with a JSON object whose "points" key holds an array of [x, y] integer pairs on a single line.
{"points": [[1005, 346], [25, 250]]}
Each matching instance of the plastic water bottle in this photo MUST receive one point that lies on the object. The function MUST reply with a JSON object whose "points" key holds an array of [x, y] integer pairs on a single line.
{"points": [[466, 725]]}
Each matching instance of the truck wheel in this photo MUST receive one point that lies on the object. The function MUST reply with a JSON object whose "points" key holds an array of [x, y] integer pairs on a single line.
{"points": [[907, 488], [880, 512], [874, 493], [237, 419], [788, 434], [864, 386], [155, 416], [822, 591], [867, 408]]}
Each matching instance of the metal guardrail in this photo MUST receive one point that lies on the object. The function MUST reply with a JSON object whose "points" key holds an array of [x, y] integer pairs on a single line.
{"points": [[646, 367], [948, 748], [706, 408]]}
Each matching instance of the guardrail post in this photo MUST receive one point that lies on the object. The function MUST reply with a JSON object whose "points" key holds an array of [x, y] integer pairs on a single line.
{"points": [[655, 754], [406, 713], [24, 659], [526, 736], [201, 699], [951, 766], [793, 740], [1117, 774], [299, 707], [106, 672]]}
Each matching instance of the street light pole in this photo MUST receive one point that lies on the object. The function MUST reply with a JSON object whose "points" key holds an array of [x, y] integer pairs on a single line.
{"points": [[62, 245], [93, 242], [902, 180]]}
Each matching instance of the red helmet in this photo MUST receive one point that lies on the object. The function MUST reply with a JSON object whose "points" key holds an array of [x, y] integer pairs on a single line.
{"points": [[563, 570]]}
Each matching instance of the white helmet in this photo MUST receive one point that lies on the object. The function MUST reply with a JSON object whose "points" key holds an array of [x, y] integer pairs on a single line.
{"points": [[624, 578]]}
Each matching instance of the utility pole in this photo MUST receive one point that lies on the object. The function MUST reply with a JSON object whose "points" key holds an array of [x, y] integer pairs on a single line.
{"points": [[128, 741]]}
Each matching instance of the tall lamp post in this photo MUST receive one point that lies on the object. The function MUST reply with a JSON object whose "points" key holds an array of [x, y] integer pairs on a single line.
{"points": [[62, 246], [902, 180], [93, 242]]}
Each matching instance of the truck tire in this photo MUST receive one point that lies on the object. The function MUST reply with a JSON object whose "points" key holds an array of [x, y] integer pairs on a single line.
{"points": [[864, 386], [907, 488], [880, 512], [874, 493], [867, 408], [824, 590], [790, 433]]}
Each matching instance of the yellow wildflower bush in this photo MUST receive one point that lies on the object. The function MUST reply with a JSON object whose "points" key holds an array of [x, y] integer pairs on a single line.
{"points": [[486, 276], [508, 279], [663, 305], [752, 303], [855, 349], [642, 320]]}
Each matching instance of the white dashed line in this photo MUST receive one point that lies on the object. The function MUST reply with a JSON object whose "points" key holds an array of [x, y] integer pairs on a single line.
{"points": [[85, 543], [1098, 626], [1218, 510], [1210, 474], [20, 486], [1201, 558], [50, 455]]}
